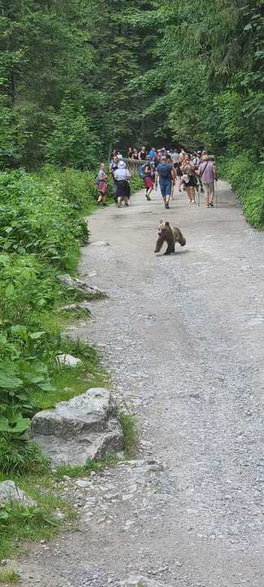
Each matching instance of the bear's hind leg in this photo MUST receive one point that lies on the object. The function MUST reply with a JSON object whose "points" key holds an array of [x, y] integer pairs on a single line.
{"points": [[170, 249]]}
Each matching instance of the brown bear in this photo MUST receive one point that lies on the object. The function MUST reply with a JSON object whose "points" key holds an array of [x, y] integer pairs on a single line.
{"points": [[170, 235]]}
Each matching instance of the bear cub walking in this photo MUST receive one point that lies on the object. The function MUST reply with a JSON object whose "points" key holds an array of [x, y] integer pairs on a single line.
{"points": [[170, 235]]}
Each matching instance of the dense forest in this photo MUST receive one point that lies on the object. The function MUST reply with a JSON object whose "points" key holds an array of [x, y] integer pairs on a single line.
{"points": [[79, 77]]}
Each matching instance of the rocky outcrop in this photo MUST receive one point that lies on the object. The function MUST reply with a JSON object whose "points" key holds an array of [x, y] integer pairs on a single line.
{"points": [[10, 492], [84, 428], [74, 283]]}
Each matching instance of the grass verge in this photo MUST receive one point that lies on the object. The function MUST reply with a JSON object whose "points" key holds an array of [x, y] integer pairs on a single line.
{"points": [[8, 575], [129, 428]]}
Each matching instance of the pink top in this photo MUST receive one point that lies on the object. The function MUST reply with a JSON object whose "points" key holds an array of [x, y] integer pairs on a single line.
{"points": [[207, 171]]}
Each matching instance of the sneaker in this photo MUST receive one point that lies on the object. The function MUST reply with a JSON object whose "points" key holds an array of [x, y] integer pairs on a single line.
{"points": [[211, 204]]}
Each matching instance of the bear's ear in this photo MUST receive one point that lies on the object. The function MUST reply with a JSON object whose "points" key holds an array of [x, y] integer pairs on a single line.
{"points": [[167, 223]]}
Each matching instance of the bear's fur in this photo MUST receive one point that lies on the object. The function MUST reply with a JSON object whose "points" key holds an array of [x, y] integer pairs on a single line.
{"points": [[170, 235]]}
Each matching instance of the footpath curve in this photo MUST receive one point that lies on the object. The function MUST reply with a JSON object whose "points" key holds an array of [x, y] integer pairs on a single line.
{"points": [[183, 337]]}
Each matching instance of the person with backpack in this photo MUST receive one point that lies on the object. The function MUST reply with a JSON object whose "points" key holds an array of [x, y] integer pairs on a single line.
{"points": [[207, 174], [166, 175]]}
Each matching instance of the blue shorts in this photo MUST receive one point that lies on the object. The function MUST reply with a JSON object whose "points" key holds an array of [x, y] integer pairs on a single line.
{"points": [[165, 187]]}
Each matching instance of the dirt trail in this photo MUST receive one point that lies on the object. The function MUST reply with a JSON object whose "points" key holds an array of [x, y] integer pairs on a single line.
{"points": [[183, 337]]}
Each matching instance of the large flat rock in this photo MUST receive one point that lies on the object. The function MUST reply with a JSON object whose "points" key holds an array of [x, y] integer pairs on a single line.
{"points": [[83, 428]]}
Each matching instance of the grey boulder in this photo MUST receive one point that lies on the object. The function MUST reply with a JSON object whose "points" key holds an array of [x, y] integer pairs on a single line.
{"points": [[75, 283], [10, 492], [83, 428]]}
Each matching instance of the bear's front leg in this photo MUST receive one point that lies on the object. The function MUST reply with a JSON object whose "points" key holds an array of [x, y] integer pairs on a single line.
{"points": [[159, 244]]}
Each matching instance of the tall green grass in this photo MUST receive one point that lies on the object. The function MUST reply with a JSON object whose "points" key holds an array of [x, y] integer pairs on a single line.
{"points": [[247, 180]]}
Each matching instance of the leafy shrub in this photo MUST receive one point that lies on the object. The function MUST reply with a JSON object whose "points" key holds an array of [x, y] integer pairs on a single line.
{"points": [[247, 180], [35, 218], [136, 183]]}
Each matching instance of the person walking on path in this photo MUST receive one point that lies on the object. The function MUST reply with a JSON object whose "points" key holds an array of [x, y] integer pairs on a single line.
{"points": [[166, 179], [207, 173], [148, 179], [189, 178], [101, 181], [121, 177], [152, 154]]}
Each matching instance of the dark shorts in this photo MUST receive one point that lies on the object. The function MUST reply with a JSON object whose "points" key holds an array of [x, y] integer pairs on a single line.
{"points": [[192, 183], [122, 189], [165, 186]]}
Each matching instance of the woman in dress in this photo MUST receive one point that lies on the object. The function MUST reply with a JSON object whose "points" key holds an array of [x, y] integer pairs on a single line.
{"points": [[102, 185], [122, 176]]}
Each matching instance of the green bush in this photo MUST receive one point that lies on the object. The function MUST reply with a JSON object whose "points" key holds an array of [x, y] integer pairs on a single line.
{"points": [[41, 231], [136, 183], [36, 218], [247, 180]]}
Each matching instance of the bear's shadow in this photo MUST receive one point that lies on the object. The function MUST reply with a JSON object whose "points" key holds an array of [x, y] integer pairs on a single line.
{"points": [[174, 254]]}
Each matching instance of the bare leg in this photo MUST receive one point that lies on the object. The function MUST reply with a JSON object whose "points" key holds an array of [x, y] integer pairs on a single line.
{"points": [[211, 196], [167, 201], [193, 195], [188, 190]]}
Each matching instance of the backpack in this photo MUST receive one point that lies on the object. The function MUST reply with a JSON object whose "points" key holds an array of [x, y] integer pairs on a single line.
{"points": [[141, 171]]}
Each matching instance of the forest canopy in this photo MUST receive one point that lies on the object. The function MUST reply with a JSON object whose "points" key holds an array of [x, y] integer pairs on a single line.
{"points": [[79, 77]]}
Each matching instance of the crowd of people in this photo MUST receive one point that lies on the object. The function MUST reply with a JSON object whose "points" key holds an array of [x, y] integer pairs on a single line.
{"points": [[171, 169]]}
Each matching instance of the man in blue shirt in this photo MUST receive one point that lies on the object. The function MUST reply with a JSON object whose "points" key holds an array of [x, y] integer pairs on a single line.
{"points": [[152, 153], [166, 178]]}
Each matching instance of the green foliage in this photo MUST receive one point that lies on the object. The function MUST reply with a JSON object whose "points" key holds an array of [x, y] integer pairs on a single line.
{"points": [[40, 234], [9, 576], [35, 218], [72, 141], [18, 523], [136, 183], [21, 457], [130, 434], [247, 179]]}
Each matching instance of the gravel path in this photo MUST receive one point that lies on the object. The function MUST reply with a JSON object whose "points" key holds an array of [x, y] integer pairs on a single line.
{"points": [[183, 337]]}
